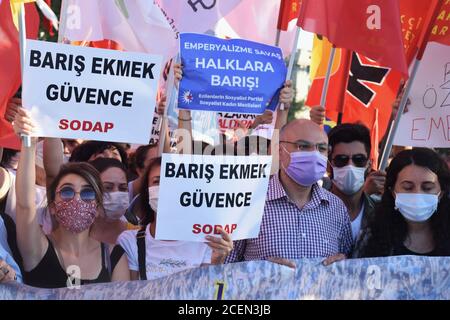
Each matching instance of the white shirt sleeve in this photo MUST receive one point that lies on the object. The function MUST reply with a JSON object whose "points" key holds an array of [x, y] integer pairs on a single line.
{"points": [[127, 240]]}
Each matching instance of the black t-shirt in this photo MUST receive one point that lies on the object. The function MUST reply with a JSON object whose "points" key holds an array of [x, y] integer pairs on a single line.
{"points": [[50, 274], [402, 250]]}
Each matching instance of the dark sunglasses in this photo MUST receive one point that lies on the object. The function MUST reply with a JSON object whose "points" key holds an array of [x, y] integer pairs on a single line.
{"points": [[68, 193], [359, 160]]}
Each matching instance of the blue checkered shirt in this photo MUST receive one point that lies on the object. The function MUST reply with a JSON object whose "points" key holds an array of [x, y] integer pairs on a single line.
{"points": [[320, 229]]}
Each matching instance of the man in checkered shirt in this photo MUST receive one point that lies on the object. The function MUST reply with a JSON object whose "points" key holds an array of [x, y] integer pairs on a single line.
{"points": [[301, 219]]}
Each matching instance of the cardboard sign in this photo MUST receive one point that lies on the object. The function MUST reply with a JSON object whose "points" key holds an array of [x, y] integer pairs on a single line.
{"points": [[235, 76], [199, 194], [96, 94]]}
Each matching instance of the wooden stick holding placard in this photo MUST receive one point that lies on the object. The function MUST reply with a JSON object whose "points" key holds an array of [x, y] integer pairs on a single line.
{"points": [[26, 140]]}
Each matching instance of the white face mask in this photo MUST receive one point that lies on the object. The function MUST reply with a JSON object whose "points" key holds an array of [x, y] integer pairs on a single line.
{"points": [[349, 179], [66, 158], [417, 207], [115, 204], [153, 193]]}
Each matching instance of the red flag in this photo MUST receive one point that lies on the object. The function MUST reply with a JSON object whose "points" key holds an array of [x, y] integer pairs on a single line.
{"points": [[414, 19], [10, 77], [289, 10], [338, 77], [440, 31], [370, 27], [371, 85]]}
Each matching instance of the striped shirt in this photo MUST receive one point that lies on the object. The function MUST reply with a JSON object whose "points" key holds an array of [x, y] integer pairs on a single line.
{"points": [[320, 229]]}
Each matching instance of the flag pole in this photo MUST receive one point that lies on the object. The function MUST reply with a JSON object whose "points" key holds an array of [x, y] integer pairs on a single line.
{"points": [[170, 91], [323, 98], [162, 131], [62, 21], [404, 100], [382, 143], [277, 38], [292, 58], [401, 108], [26, 140]]}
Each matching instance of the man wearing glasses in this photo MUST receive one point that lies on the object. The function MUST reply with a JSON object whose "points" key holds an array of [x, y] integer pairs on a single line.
{"points": [[350, 165], [301, 219]]}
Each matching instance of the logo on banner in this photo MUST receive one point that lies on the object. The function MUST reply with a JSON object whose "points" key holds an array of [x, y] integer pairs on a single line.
{"points": [[360, 75], [187, 96], [73, 277]]}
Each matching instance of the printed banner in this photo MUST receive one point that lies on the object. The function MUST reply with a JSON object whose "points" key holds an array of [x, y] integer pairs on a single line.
{"points": [[235, 76], [392, 278], [199, 194], [96, 94], [234, 121], [427, 121]]}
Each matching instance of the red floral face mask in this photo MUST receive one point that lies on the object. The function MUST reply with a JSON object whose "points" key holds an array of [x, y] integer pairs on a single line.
{"points": [[76, 215]]}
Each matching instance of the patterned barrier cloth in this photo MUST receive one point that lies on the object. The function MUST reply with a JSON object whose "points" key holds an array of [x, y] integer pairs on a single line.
{"points": [[403, 277]]}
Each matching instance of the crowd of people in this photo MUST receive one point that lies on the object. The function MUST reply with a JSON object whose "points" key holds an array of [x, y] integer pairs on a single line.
{"points": [[94, 204]]}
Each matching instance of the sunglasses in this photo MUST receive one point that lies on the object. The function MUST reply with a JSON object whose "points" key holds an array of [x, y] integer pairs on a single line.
{"points": [[359, 160], [68, 193]]}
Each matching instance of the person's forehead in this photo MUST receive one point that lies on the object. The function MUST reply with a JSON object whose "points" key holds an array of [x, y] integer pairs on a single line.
{"points": [[111, 149], [416, 174], [73, 179], [152, 153], [113, 173], [154, 171], [306, 134], [349, 148]]}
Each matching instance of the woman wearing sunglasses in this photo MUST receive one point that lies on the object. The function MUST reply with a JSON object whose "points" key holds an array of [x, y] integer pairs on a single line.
{"points": [[150, 259], [68, 256], [413, 217]]}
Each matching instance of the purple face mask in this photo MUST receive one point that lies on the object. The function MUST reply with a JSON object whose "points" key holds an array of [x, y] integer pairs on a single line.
{"points": [[306, 167]]}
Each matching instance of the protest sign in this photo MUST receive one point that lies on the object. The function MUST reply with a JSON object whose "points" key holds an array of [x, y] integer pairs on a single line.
{"points": [[198, 194], [427, 121], [235, 125], [156, 129], [234, 121], [235, 76], [96, 94]]}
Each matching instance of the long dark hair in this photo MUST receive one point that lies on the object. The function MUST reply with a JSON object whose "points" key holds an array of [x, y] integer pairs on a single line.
{"points": [[389, 229], [84, 170], [149, 214]]}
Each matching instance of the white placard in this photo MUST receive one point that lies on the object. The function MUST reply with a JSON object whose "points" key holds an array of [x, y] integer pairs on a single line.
{"points": [[427, 122], [88, 93], [198, 193]]}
